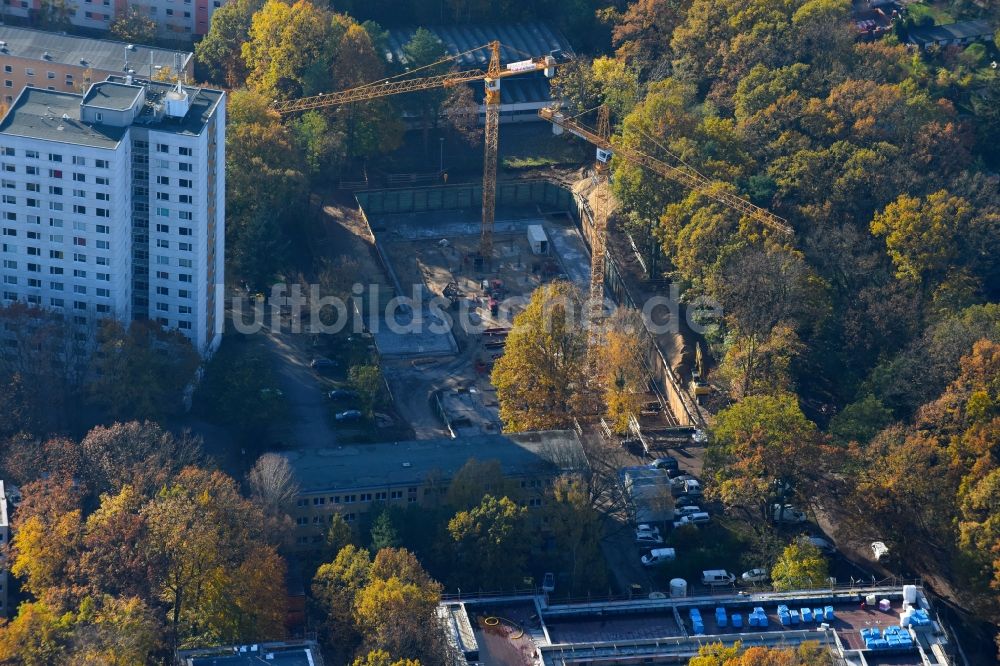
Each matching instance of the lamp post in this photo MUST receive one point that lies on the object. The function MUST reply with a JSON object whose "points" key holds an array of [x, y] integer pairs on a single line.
{"points": [[441, 163]]}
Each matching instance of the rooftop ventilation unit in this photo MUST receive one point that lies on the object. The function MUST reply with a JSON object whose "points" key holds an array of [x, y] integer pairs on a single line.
{"points": [[47, 56]]}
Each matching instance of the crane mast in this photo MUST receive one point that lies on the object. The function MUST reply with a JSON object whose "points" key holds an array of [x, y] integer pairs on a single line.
{"points": [[677, 173], [491, 78]]}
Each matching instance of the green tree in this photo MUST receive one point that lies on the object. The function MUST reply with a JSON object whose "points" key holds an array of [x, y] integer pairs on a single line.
{"points": [[577, 529], [382, 658], [801, 566], [759, 449], [383, 533], [490, 544], [422, 52], [334, 587], [368, 382], [220, 51], [142, 371], [541, 375], [860, 421], [238, 389], [134, 26]]}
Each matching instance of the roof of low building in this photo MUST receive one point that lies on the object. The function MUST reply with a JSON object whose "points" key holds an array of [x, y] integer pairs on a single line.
{"points": [[102, 54], [417, 461], [286, 653], [519, 41], [112, 95], [951, 31]]}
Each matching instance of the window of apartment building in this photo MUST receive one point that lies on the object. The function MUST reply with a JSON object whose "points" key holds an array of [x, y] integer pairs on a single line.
{"points": [[184, 263], [80, 193], [10, 168], [79, 178], [50, 75], [9, 263], [101, 164], [101, 180], [163, 164], [28, 71], [365, 497], [9, 232], [184, 182], [10, 279], [31, 170], [183, 293], [103, 245], [163, 196], [55, 270], [184, 231], [32, 154], [184, 198], [69, 79], [103, 229], [55, 254], [102, 212], [8, 184], [185, 215], [186, 166], [34, 299], [104, 277], [170, 12], [32, 203], [163, 243], [317, 501], [79, 241], [162, 148], [9, 152], [162, 291], [396, 494], [56, 302], [79, 225], [184, 309], [79, 289], [55, 205], [163, 228], [79, 209], [184, 247], [34, 235], [55, 173], [79, 258], [163, 180], [55, 190], [102, 261], [9, 199], [184, 151], [55, 157], [163, 212], [8, 68], [56, 286], [79, 161], [162, 275], [103, 196], [34, 219]]}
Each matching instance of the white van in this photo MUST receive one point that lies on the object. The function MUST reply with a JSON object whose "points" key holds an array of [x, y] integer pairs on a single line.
{"points": [[692, 519], [659, 556], [717, 577]]}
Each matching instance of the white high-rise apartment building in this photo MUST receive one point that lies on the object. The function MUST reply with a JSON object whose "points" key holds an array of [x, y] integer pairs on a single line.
{"points": [[113, 204]]}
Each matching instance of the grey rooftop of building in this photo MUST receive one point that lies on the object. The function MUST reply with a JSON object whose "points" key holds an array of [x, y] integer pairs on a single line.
{"points": [[414, 462], [112, 95], [55, 116], [960, 30], [284, 653], [99, 54]]}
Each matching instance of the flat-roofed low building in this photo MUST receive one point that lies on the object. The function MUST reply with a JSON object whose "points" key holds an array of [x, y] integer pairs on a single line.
{"points": [[70, 63], [351, 480], [961, 33], [283, 653], [664, 630]]}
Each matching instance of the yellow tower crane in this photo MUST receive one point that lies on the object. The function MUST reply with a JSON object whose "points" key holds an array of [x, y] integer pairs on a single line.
{"points": [[680, 173], [494, 73]]}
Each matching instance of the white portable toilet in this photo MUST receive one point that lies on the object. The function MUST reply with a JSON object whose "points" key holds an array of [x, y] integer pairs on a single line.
{"points": [[678, 587], [537, 239], [910, 594]]}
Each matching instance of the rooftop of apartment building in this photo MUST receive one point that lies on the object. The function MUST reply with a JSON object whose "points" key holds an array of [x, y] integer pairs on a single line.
{"points": [[285, 653], [56, 116], [98, 54], [418, 461], [528, 630]]}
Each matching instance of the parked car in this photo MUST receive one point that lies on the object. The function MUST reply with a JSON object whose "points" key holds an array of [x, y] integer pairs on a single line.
{"points": [[659, 556], [681, 511], [321, 363], [685, 501], [789, 515], [674, 473], [755, 576], [690, 487], [349, 415], [648, 538], [646, 527], [692, 519], [342, 394], [821, 543], [666, 462], [713, 577]]}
